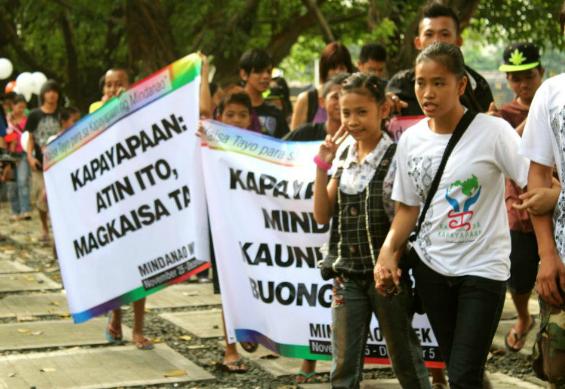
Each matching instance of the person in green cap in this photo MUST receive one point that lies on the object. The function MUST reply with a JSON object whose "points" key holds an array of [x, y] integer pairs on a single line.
{"points": [[524, 73]]}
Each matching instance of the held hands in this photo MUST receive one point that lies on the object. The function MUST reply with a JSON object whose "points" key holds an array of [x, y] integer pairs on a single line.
{"points": [[387, 274], [328, 149]]}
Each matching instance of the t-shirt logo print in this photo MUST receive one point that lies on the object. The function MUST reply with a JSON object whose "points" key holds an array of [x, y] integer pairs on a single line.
{"points": [[461, 196], [268, 124]]}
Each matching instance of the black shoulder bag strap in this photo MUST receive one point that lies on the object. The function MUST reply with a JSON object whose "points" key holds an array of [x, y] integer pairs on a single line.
{"points": [[457, 134]]}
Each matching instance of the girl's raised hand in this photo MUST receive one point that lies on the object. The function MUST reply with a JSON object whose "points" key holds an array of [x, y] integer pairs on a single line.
{"points": [[328, 149]]}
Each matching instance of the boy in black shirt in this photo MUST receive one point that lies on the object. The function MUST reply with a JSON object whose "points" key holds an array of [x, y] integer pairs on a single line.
{"points": [[255, 67], [42, 123], [439, 23]]}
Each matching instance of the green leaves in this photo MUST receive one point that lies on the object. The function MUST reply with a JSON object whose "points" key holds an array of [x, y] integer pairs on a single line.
{"points": [[533, 21], [31, 34]]}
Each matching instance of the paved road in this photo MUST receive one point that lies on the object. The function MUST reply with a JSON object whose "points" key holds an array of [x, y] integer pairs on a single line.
{"points": [[42, 348]]}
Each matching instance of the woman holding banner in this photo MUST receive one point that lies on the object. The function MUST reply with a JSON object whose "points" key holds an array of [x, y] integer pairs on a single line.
{"points": [[116, 81]]}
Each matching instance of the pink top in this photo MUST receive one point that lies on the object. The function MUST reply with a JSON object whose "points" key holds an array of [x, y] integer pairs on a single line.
{"points": [[321, 116], [14, 133]]}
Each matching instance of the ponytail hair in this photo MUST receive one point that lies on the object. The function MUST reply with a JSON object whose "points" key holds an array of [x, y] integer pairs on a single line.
{"points": [[365, 84], [446, 54]]}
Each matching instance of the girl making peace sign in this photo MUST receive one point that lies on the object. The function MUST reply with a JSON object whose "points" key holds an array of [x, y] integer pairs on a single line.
{"points": [[358, 199]]}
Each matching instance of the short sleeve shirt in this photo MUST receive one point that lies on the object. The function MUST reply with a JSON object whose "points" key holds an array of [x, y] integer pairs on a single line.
{"points": [[465, 231], [543, 142], [42, 126], [271, 120]]}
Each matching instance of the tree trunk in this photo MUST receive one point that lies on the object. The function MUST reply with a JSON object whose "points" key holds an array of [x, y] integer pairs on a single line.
{"points": [[149, 37], [313, 8], [279, 45], [226, 57], [74, 86]]}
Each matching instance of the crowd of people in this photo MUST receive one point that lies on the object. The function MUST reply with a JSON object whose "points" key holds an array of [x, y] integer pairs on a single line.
{"points": [[467, 205]]}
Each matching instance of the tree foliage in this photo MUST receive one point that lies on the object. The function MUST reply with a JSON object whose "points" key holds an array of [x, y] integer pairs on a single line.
{"points": [[519, 20], [76, 41]]}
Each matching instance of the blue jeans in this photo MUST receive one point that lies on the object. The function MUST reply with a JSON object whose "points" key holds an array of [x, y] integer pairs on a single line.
{"points": [[353, 304], [464, 313], [12, 193], [18, 190]]}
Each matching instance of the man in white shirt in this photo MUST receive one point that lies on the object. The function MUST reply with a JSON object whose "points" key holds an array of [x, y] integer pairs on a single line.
{"points": [[543, 143]]}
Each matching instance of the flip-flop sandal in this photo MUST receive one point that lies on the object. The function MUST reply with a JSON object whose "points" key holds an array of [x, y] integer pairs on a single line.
{"points": [[518, 337], [250, 347], [111, 335], [305, 378], [233, 367], [144, 344]]}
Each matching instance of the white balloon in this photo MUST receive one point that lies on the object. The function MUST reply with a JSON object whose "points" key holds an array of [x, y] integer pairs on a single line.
{"points": [[6, 68], [27, 95], [25, 83], [38, 81], [24, 139]]}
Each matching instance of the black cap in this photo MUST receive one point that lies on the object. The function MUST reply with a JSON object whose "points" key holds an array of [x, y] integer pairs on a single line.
{"points": [[520, 56]]}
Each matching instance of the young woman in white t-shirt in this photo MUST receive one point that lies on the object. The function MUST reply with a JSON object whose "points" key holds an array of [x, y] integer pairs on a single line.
{"points": [[461, 254]]}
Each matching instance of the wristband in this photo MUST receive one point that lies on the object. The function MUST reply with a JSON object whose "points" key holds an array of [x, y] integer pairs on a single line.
{"points": [[322, 164]]}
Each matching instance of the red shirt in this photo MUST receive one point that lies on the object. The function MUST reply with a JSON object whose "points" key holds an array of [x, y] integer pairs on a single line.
{"points": [[515, 113], [15, 133]]}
